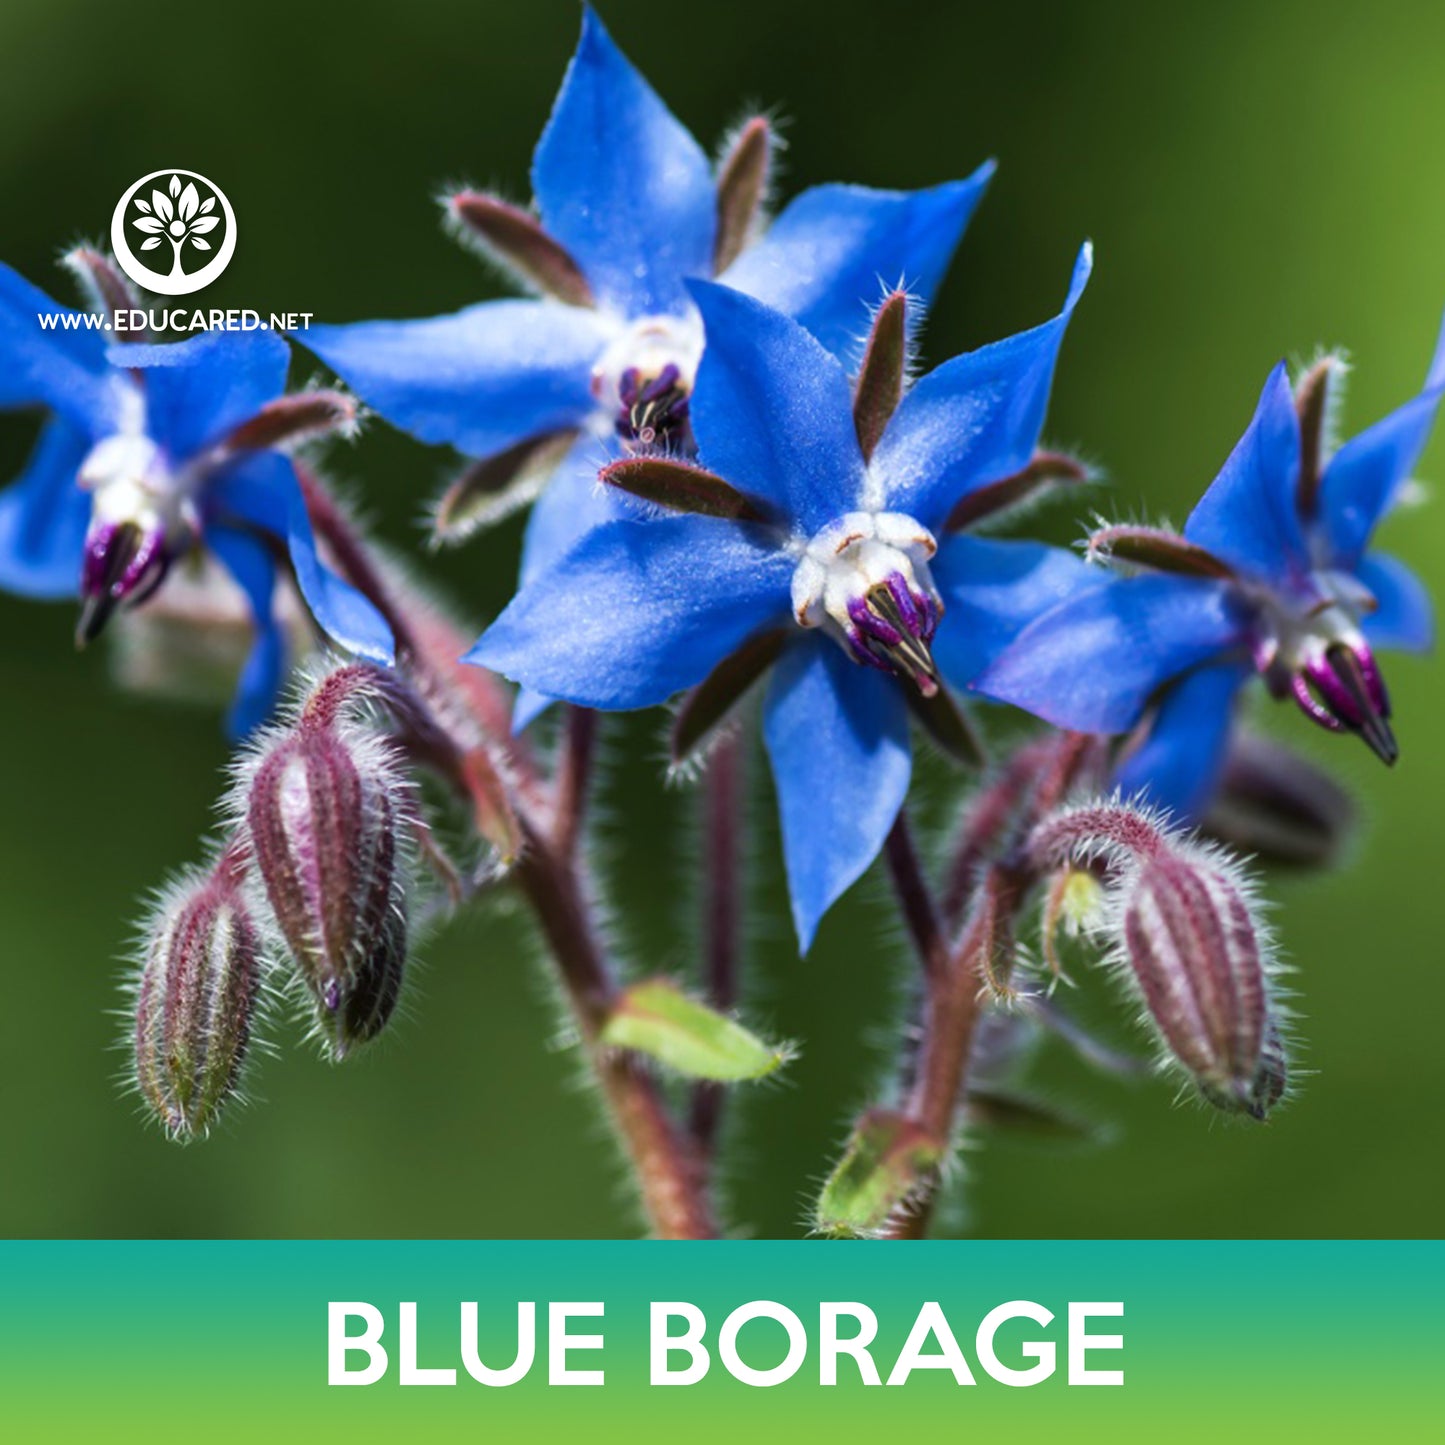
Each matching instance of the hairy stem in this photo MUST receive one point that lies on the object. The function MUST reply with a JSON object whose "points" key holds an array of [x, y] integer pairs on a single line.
{"points": [[952, 1008], [463, 706], [574, 776], [722, 916], [667, 1168], [915, 901]]}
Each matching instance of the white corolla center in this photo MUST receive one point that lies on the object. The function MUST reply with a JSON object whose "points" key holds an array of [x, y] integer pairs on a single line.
{"points": [[646, 374], [865, 578], [132, 484]]}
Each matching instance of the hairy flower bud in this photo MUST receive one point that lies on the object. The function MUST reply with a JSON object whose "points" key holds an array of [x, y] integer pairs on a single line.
{"points": [[196, 998], [325, 807], [1185, 930]]}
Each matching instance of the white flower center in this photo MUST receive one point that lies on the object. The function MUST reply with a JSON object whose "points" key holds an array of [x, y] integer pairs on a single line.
{"points": [[133, 484], [865, 579]]}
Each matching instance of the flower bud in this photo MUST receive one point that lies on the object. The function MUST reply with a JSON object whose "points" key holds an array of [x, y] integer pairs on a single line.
{"points": [[1185, 931], [1194, 952], [196, 999], [325, 809]]}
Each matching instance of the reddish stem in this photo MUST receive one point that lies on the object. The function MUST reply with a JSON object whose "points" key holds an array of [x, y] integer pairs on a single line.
{"points": [[722, 915]]}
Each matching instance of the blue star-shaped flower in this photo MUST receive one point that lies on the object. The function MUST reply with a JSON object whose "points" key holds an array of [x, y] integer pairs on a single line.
{"points": [[1272, 576], [826, 524], [144, 456], [630, 209]]}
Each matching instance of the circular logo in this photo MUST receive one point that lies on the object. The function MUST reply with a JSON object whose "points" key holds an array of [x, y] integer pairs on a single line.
{"points": [[181, 224]]}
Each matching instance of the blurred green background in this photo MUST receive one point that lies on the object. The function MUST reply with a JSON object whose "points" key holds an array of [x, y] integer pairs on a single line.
{"points": [[1258, 179]]}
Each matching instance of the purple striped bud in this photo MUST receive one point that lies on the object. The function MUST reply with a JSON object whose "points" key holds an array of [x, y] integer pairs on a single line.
{"points": [[326, 806], [196, 998], [1185, 931]]}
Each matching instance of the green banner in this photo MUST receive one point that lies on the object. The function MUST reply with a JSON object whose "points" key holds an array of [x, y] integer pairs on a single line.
{"points": [[735, 1342]]}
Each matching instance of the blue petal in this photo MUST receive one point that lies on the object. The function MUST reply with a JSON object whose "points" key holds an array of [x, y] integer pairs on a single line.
{"points": [[65, 370], [1250, 514], [1178, 764], [772, 410], [44, 516], [1404, 617], [991, 591], [826, 259], [261, 490], [250, 562], [638, 611], [571, 505], [974, 419], [622, 185], [1093, 663], [837, 735], [1363, 479], [482, 379], [196, 391]]}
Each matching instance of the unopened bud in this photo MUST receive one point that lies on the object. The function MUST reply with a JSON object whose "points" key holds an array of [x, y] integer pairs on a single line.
{"points": [[325, 809], [1185, 931], [196, 1000]]}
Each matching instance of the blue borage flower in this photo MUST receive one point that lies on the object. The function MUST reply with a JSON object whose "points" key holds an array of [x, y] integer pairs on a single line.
{"points": [[151, 451], [827, 527], [630, 208], [1272, 576]]}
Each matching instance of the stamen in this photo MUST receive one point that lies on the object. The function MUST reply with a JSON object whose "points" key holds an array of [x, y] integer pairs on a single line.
{"points": [[1340, 688], [893, 628], [654, 411]]}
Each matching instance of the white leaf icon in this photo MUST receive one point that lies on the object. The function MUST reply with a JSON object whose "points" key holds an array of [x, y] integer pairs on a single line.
{"points": [[175, 185], [163, 206], [199, 244], [144, 205], [189, 202], [148, 224], [151, 244], [207, 204], [202, 224]]}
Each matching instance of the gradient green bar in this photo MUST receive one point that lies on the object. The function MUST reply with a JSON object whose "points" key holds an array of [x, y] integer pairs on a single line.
{"points": [[145, 1341]]}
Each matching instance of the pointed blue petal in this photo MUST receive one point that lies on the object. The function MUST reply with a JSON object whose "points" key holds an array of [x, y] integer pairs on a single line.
{"points": [[261, 490], [1404, 617], [991, 591], [44, 516], [621, 184], [773, 411], [1093, 663], [482, 379], [837, 736], [638, 611], [571, 505], [196, 391], [1178, 764], [1363, 479], [974, 419], [64, 370], [250, 562], [527, 707], [1250, 514], [827, 258]]}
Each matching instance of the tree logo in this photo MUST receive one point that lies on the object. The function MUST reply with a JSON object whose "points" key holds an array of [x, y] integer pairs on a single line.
{"points": [[180, 210]]}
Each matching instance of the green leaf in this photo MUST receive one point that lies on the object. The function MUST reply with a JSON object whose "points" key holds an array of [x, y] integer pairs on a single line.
{"points": [[657, 1019], [888, 1162]]}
